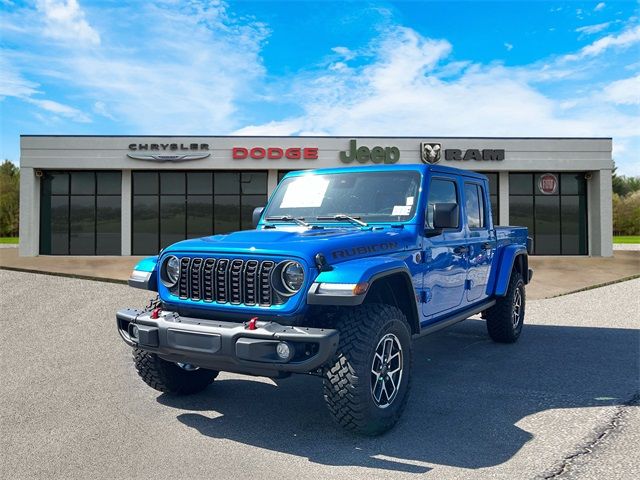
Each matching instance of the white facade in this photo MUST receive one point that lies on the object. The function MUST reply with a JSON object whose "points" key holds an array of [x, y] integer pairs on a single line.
{"points": [[127, 154]]}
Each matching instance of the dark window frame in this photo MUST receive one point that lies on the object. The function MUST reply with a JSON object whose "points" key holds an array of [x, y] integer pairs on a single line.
{"points": [[186, 195], [560, 196], [495, 213], [68, 195]]}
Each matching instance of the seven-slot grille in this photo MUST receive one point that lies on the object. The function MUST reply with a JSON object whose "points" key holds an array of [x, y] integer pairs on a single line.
{"points": [[226, 280]]}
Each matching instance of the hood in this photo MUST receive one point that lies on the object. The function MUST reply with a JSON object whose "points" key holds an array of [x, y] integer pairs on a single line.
{"points": [[337, 244]]}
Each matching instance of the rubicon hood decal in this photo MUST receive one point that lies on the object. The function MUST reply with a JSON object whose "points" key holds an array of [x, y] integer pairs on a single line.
{"points": [[169, 158]]}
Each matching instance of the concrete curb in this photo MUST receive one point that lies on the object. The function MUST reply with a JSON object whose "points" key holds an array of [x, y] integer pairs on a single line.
{"points": [[598, 285], [66, 275]]}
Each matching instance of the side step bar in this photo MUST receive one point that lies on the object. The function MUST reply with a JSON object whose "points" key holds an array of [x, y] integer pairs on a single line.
{"points": [[458, 317]]}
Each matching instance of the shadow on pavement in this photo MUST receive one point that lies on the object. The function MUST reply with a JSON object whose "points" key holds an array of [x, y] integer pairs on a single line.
{"points": [[467, 396]]}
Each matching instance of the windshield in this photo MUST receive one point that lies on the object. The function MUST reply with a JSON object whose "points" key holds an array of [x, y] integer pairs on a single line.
{"points": [[382, 196]]}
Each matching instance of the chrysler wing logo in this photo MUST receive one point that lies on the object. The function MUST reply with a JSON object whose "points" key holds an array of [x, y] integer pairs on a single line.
{"points": [[181, 157], [430, 152]]}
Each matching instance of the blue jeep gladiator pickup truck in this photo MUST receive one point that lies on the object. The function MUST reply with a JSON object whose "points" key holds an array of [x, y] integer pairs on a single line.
{"points": [[344, 268]]}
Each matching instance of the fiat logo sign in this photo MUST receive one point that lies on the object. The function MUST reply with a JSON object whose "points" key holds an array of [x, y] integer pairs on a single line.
{"points": [[548, 184]]}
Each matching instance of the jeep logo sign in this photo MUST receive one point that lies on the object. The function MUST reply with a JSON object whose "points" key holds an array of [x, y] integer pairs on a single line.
{"points": [[374, 155]]}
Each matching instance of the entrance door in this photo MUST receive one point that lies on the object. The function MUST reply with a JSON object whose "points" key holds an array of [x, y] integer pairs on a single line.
{"points": [[553, 206], [445, 254], [80, 213]]}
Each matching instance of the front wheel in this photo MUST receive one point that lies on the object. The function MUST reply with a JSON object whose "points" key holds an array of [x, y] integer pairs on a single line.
{"points": [[366, 386], [506, 317], [169, 377]]}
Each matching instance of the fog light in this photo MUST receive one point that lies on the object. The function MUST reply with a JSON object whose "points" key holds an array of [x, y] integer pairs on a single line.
{"points": [[134, 332], [283, 350]]}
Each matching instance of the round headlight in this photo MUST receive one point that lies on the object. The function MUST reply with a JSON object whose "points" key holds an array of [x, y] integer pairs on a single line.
{"points": [[171, 271], [292, 276]]}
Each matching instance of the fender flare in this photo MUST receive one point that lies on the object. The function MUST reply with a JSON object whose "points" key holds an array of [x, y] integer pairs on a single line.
{"points": [[364, 270], [503, 273]]}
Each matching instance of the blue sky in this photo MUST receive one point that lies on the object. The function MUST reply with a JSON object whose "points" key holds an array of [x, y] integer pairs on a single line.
{"points": [[322, 68]]}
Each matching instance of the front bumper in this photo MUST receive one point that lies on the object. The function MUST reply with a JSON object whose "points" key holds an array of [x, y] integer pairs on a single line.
{"points": [[227, 346]]}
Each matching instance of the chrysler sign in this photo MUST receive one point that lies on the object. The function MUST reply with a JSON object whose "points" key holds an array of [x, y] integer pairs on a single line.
{"points": [[197, 151]]}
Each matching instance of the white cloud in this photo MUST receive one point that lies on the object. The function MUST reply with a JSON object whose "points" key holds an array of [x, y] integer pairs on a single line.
{"points": [[338, 66], [625, 154], [101, 109], [402, 92], [508, 46], [184, 82], [12, 84], [344, 52], [599, 6], [60, 109], [628, 37], [286, 127], [625, 92], [591, 29], [65, 20]]}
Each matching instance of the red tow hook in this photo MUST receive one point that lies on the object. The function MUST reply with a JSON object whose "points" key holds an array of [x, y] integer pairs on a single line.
{"points": [[155, 313], [253, 324]]}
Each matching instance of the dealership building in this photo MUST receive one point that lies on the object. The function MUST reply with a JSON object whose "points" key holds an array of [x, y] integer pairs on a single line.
{"points": [[132, 195]]}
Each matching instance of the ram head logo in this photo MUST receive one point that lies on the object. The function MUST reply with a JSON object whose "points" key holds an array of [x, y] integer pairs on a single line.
{"points": [[430, 152]]}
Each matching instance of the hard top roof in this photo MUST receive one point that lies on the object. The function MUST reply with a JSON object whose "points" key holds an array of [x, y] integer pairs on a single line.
{"points": [[391, 168]]}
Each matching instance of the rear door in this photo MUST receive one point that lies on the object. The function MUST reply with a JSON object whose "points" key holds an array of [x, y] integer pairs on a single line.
{"points": [[481, 239], [444, 254]]}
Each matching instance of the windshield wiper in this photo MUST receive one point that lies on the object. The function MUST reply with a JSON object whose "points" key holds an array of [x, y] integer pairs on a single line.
{"points": [[343, 217], [288, 218]]}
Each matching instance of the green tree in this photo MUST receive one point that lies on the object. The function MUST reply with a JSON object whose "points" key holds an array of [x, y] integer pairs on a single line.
{"points": [[623, 185], [626, 214], [9, 199]]}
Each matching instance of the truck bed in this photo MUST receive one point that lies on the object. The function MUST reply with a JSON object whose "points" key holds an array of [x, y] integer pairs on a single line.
{"points": [[507, 235]]}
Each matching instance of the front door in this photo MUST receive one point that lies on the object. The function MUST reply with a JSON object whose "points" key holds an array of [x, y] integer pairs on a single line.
{"points": [[445, 254]]}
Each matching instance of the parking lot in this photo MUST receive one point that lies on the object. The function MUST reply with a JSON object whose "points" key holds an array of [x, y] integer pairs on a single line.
{"points": [[555, 405]]}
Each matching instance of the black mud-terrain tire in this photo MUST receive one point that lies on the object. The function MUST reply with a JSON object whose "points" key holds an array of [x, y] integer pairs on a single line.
{"points": [[168, 377], [348, 379], [502, 325]]}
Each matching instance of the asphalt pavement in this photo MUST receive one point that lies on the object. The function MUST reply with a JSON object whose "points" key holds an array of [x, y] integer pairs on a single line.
{"points": [[554, 405]]}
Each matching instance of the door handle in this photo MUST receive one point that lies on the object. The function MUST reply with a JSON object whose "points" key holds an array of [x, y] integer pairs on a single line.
{"points": [[486, 246], [460, 250]]}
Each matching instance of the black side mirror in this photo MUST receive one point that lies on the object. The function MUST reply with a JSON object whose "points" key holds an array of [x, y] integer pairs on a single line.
{"points": [[445, 215], [257, 213]]}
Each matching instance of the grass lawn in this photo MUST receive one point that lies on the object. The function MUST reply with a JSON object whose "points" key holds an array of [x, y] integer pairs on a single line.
{"points": [[9, 239], [627, 239]]}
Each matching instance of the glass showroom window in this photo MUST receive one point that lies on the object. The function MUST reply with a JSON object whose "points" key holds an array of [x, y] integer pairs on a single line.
{"points": [[173, 206], [556, 216], [80, 213]]}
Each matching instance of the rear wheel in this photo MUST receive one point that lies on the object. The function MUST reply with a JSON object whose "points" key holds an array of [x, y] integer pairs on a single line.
{"points": [[366, 387], [506, 317], [169, 377]]}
